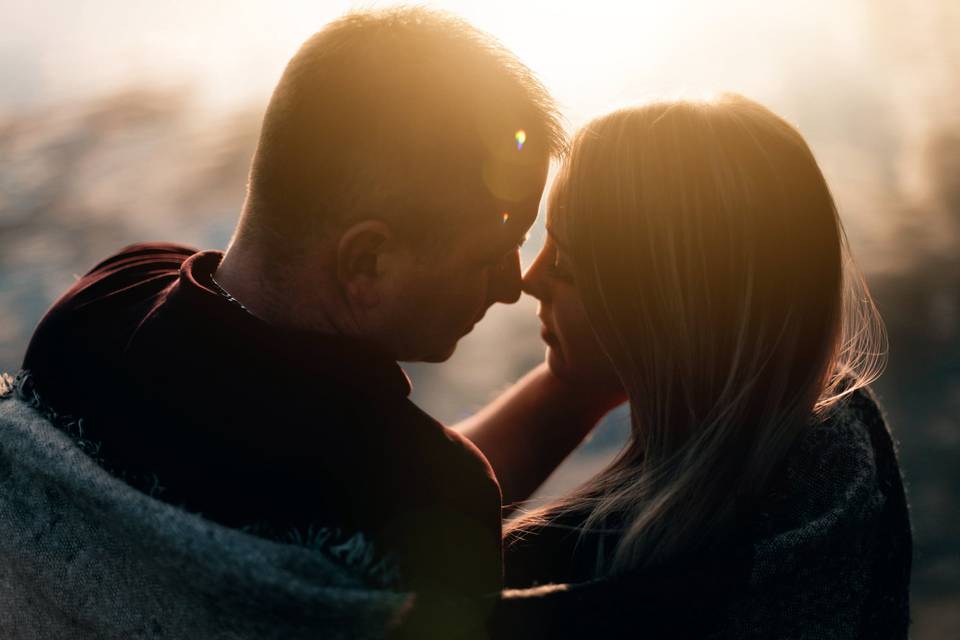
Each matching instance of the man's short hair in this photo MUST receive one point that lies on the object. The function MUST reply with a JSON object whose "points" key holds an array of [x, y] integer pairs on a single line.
{"points": [[397, 115]]}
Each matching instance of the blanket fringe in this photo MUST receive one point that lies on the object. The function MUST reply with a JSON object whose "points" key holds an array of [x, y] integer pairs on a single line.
{"points": [[354, 551]]}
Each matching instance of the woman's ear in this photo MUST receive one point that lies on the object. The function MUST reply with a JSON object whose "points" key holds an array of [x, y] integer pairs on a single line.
{"points": [[360, 267]]}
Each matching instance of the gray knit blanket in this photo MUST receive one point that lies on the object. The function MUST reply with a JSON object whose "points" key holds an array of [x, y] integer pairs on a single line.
{"points": [[825, 556], [85, 555]]}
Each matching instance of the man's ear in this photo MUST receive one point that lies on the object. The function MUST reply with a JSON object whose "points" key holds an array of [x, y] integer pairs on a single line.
{"points": [[359, 260]]}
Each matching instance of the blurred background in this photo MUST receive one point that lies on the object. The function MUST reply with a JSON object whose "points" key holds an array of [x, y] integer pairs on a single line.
{"points": [[125, 121]]}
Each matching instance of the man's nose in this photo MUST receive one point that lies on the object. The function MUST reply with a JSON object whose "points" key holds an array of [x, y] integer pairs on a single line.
{"points": [[505, 280]]}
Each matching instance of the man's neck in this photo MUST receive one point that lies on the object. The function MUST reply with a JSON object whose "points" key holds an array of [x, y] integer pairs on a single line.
{"points": [[242, 276]]}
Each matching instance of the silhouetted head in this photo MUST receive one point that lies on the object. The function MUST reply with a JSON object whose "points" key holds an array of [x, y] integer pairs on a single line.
{"points": [[696, 260], [401, 161]]}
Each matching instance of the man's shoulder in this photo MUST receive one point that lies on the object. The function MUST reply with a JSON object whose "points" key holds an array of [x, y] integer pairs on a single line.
{"points": [[458, 451], [437, 468], [144, 254], [85, 332], [144, 249], [149, 265]]}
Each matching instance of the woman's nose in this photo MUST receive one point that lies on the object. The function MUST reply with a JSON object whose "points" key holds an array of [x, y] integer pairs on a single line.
{"points": [[533, 280]]}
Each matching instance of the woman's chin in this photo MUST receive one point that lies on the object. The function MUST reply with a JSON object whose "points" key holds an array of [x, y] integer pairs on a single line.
{"points": [[602, 381], [556, 363]]}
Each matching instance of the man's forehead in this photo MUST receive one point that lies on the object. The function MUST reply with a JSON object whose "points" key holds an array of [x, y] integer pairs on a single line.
{"points": [[480, 219], [518, 219], [480, 197], [492, 230], [520, 212], [501, 224]]}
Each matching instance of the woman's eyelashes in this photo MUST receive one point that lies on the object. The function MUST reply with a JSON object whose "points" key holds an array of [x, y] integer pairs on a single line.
{"points": [[559, 268], [499, 257]]}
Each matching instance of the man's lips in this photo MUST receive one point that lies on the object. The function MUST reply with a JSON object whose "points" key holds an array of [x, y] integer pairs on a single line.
{"points": [[476, 320], [548, 336]]}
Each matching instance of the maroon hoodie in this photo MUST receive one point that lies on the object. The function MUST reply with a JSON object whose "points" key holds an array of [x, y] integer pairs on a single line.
{"points": [[278, 430]]}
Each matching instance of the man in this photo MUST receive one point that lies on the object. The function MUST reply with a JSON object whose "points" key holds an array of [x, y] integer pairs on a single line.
{"points": [[400, 163]]}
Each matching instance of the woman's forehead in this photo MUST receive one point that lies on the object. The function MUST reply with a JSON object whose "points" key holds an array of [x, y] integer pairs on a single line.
{"points": [[557, 224]]}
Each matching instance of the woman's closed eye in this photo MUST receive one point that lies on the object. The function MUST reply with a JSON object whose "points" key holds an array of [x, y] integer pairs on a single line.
{"points": [[498, 257], [559, 268]]}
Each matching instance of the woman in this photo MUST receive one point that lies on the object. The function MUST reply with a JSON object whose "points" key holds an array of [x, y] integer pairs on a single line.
{"points": [[695, 264]]}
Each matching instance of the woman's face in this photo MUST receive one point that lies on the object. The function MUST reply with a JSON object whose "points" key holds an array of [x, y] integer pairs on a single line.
{"points": [[573, 352]]}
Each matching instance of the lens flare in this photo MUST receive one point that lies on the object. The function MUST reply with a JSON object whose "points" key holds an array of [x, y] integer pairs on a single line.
{"points": [[520, 136], [504, 217]]}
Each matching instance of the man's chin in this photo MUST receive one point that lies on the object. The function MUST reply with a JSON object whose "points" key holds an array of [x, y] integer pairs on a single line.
{"points": [[440, 355]]}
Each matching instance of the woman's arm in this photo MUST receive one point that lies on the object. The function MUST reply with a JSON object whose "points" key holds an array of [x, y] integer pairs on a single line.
{"points": [[532, 427]]}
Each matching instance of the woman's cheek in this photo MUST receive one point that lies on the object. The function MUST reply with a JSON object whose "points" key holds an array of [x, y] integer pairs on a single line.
{"points": [[578, 344], [581, 356]]}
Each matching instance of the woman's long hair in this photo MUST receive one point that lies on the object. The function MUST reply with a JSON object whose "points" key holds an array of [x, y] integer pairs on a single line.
{"points": [[716, 274]]}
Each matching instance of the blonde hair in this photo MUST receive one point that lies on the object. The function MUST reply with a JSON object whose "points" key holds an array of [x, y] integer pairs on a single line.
{"points": [[716, 274]]}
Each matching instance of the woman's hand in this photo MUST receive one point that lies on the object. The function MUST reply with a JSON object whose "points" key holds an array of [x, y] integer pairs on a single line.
{"points": [[533, 426]]}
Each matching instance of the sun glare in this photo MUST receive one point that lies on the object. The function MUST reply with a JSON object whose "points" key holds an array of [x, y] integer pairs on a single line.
{"points": [[520, 137]]}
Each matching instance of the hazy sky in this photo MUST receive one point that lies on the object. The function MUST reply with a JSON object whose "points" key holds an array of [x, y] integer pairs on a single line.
{"points": [[863, 79], [591, 54]]}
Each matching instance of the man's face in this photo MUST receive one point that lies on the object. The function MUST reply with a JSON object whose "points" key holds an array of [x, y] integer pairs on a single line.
{"points": [[444, 293]]}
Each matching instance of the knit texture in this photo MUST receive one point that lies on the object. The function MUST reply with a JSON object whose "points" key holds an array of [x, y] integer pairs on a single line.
{"points": [[85, 555], [832, 548], [825, 556]]}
